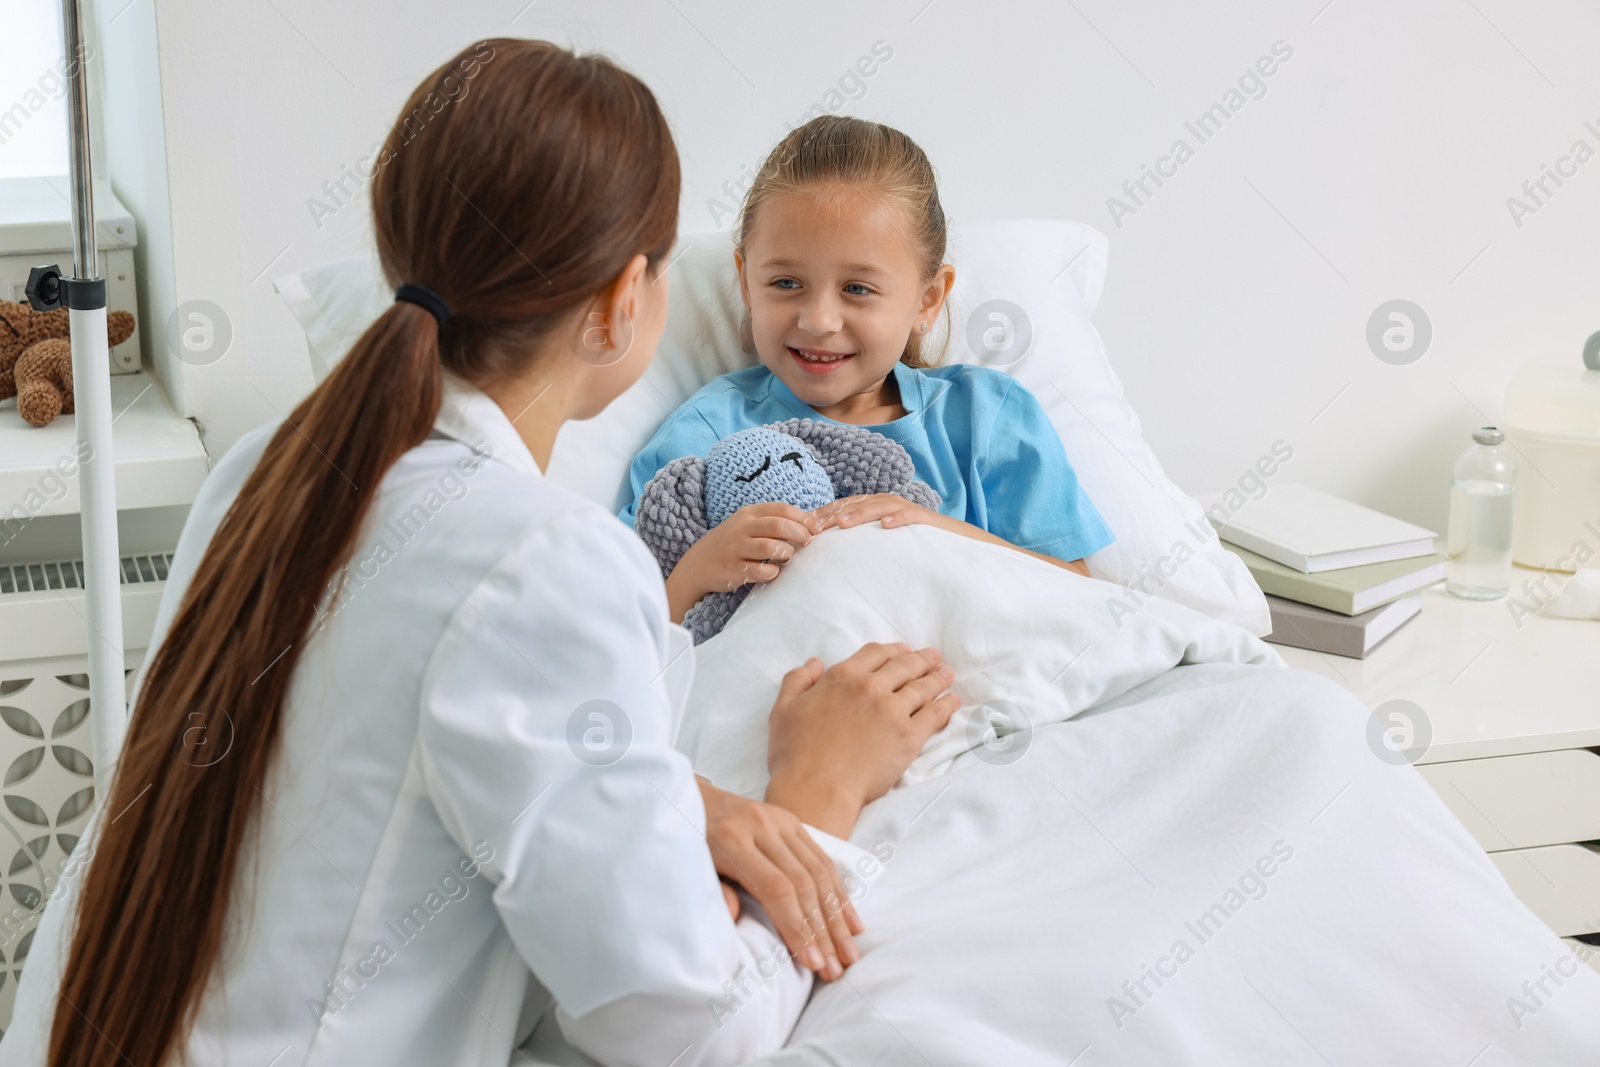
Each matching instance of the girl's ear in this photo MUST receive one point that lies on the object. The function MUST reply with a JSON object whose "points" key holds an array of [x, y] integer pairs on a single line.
{"points": [[744, 286], [747, 336], [933, 297], [747, 339]]}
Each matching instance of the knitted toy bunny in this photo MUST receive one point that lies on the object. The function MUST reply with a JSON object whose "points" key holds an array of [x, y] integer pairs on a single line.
{"points": [[801, 462]]}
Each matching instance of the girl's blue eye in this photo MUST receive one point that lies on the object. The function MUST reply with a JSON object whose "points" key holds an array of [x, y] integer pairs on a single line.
{"points": [[850, 288], [783, 283]]}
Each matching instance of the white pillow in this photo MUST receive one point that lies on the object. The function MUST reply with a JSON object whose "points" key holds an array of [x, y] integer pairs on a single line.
{"points": [[1049, 275], [335, 303], [1054, 272]]}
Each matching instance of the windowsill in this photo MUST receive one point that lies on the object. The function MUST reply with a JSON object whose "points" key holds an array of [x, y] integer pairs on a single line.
{"points": [[160, 460]]}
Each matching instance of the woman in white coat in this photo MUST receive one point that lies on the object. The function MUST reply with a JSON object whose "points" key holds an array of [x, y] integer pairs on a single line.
{"points": [[399, 781]]}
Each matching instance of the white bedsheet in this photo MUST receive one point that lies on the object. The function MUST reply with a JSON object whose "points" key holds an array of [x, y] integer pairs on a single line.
{"points": [[1042, 896]]}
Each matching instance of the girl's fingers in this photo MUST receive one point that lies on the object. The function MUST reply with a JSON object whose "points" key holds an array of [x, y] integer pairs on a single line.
{"points": [[778, 511], [763, 572], [870, 509], [783, 510], [749, 570], [731, 895], [765, 548], [855, 510], [779, 528]]}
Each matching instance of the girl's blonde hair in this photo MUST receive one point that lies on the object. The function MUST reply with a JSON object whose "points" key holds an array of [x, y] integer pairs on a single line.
{"points": [[868, 158]]}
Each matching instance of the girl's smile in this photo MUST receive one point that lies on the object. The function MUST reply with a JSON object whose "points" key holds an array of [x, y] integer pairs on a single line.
{"points": [[819, 361]]}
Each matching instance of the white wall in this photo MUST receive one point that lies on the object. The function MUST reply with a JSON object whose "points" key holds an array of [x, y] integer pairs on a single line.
{"points": [[1377, 166]]}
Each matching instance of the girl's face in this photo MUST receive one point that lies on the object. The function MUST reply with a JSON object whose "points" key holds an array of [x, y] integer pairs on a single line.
{"points": [[834, 291]]}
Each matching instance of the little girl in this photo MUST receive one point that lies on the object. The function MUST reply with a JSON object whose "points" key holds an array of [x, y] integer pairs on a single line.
{"points": [[841, 267]]}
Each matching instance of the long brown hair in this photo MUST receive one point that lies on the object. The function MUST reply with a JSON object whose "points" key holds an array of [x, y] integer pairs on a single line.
{"points": [[869, 159], [518, 182]]}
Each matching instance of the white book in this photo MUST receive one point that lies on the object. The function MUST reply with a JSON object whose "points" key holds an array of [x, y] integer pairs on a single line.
{"points": [[1313, 531]]}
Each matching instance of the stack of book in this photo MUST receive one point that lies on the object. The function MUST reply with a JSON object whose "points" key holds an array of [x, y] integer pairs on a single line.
{"points": [[1339, 577]]}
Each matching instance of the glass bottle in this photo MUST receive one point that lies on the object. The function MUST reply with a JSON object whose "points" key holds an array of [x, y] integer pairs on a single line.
{"points": [[1482, 502]]}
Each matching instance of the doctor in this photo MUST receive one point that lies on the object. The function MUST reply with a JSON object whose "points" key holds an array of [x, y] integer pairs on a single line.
{"points": [[399, 781]]}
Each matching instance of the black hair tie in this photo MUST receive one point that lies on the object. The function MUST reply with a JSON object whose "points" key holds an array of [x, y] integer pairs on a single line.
{"points": [[426, 299]]}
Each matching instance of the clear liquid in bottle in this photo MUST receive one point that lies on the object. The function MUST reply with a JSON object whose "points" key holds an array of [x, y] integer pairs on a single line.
{"points": [[1480, 562], [1482, 505]]}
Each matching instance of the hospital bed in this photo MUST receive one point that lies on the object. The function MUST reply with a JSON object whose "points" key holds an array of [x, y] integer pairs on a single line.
{"points": [[1143, 839]]}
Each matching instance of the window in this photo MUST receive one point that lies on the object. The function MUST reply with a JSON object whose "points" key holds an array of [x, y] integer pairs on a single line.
{"points": [[33, 91]]}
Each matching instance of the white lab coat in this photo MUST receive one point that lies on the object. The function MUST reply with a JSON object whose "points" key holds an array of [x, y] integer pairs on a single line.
{"points": [[435, 860]]}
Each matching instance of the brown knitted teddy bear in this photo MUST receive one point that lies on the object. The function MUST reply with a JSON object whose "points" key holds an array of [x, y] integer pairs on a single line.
{"points": [[36, 358]]}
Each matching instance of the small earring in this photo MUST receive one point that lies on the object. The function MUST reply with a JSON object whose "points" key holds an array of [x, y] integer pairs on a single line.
{"points": [[924, 327]]}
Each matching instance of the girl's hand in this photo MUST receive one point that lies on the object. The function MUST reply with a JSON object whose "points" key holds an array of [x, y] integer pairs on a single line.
{"points": [[888, 508], [751, 545], [765, 849], [895, 510], [837, 739]]}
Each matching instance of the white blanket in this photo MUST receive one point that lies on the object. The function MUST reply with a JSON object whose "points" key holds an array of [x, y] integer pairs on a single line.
{"points": [[1192, 857]]}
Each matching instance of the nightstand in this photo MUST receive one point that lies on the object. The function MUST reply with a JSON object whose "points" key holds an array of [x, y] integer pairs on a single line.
{"points": [[1508, 721]]}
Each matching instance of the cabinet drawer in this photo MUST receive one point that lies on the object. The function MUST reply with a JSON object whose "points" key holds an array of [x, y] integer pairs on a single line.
{"points": [[1559, 883], [1541, 798]]}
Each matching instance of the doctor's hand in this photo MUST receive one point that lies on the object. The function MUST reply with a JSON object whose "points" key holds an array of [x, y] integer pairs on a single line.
{"points": [[765, 850], [838, 738], [751, 545]]}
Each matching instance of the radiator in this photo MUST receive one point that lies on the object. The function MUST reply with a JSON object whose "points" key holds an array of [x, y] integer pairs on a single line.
{"points": [[48, 787]]}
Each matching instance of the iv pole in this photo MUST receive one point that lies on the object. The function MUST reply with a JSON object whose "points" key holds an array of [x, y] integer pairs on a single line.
{"points": [[84, 294]]}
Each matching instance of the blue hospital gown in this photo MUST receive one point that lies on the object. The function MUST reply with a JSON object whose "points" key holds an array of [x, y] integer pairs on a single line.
{"points": [[975, 435]]}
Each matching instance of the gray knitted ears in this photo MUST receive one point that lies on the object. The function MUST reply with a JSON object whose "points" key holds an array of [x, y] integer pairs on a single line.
{"points": [[672, 513]]}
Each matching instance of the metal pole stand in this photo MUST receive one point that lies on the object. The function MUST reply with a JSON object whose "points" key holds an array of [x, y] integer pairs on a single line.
{"points": [[84, 294]]}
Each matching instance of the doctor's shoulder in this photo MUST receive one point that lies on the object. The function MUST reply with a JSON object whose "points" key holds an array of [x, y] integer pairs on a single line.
{"points": [[473, 500]]}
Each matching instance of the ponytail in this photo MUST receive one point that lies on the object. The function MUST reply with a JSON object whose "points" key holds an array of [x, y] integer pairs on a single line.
{"points": [[225, 665]]}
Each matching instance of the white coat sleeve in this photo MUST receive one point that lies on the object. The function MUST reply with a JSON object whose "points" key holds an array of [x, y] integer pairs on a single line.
{"points": [[545, 731]]}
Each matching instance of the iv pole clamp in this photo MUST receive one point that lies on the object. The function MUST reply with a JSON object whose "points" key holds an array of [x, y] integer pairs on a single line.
{"points": [[84, 295]]}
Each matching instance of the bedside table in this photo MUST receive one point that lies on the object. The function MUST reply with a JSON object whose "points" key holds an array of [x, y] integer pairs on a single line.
{"points": [[1508, 720]]}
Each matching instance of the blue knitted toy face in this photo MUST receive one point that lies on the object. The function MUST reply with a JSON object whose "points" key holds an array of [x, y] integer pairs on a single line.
{"points": [[759, 465]]}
